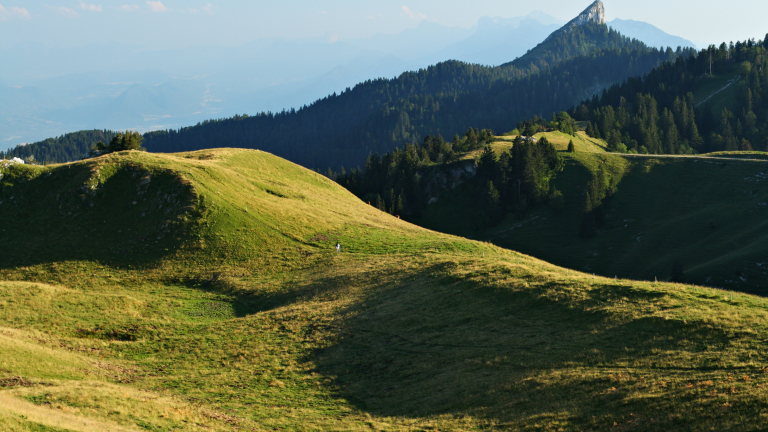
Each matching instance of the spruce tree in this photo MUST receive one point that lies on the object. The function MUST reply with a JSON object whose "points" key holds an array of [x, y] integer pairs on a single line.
{"points": [[127, 140], [571, 147], [491, 201]]}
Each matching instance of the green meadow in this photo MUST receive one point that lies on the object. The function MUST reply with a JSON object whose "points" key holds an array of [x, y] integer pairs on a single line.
{"points": [[202, 291]]}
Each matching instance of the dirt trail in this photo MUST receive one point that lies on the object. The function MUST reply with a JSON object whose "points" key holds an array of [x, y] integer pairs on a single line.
{"points": [[732, 80]]}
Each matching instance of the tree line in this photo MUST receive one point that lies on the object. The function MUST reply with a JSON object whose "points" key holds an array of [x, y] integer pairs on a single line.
{"points": [[403, 182], [65, 148]]}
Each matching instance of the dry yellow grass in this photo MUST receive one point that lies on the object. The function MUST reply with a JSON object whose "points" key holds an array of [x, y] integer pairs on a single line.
{"points": [[55, 417]]}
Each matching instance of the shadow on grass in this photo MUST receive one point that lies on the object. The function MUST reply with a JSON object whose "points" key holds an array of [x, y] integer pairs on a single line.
{"points": [[435, 346], [118, 215], [248, 297]]}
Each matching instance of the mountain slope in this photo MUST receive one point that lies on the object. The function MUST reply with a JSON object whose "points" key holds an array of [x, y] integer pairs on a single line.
{"points": [[574, 63], [238, 319], [496, 40], [581, 35], [374, 117], [713, 100], [648, 34]]}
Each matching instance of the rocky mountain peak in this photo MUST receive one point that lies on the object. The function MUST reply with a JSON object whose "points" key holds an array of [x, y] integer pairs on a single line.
{"points": [[594, 13]]}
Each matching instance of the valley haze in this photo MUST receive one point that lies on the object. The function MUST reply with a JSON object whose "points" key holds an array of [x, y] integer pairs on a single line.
{"points": [[48, 90]]}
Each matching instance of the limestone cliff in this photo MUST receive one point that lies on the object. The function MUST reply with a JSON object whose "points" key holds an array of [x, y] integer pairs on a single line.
{"points": [[594, 13]]}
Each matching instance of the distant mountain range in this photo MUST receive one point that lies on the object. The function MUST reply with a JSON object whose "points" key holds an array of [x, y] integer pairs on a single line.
{"points": [[572, 64], [650, 35], [46, 92]]}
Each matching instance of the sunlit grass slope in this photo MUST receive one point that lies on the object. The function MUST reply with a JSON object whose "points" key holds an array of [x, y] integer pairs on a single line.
{"points": [[581, 141], [211, 316]]}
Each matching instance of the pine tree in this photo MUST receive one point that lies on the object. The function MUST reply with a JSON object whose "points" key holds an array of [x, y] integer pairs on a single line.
{"points": [[127, 140], [571, 147], [491, 201], [669, 132]]}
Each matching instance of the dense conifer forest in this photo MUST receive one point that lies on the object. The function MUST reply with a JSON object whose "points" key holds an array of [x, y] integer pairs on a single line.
{"points": [[66, 148], [659, 114], [404, 182]]}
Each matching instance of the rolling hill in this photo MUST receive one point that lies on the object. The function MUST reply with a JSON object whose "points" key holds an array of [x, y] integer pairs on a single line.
{"points": [[201, 291]]}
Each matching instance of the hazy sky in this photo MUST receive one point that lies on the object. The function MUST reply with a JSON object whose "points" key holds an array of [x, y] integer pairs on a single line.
{"points": [[181, 23]]}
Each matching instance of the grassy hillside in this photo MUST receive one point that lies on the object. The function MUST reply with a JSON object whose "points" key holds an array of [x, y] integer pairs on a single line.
{"points": [[227, 309], [581, 142], [706, 214]]}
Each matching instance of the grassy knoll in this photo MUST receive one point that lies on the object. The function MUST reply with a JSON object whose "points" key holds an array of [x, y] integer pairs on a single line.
{"points": [[211, 317], [581, 142]]}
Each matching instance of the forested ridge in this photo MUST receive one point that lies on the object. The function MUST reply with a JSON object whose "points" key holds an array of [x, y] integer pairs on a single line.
{"points": [[404, 182], [674, 109], [66, 148], [379, 115], [654, 114]]}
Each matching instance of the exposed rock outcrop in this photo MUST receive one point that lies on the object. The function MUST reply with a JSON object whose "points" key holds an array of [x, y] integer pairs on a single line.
{"points": [[448, 177], [595, 13]]}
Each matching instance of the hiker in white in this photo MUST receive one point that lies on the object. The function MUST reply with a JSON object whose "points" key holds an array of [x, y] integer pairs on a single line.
{"points": [[338, 247]]}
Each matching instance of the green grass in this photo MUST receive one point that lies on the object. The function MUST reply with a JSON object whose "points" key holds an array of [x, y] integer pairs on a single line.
{"points": [[249, 320], [581, 142]]}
